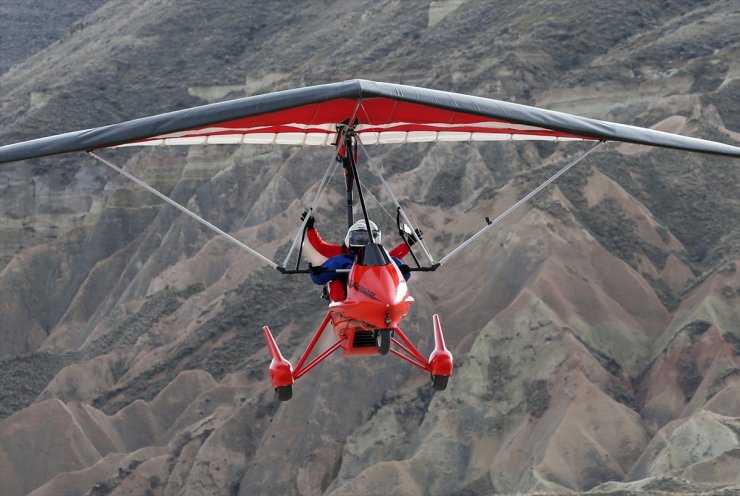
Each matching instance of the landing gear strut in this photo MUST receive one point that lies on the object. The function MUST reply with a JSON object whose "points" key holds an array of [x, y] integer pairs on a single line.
{"points": [[439, 365]]}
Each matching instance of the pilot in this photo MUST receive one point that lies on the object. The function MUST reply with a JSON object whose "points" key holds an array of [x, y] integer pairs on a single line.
{"points": [[357, 237], [319, 250]]}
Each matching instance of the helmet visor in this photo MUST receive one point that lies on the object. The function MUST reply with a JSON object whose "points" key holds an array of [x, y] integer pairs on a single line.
{"points": [[360, 237]]}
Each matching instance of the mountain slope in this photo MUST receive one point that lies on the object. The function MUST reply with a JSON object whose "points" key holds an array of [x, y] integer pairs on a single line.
{"points": [[595, 332]]}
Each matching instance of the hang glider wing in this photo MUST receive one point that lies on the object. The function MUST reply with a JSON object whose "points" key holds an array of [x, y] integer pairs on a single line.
{"points": [[383, 113]]}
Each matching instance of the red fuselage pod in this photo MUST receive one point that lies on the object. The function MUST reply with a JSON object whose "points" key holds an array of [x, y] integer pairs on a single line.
{"points": [[377, 298]]}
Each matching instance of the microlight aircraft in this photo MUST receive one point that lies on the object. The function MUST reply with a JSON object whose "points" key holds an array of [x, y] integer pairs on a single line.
{"points": [[347, 116]]}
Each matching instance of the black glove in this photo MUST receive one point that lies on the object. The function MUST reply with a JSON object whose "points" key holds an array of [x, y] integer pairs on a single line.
{"points": [[316, 269], [311, 220], [411, 240]]}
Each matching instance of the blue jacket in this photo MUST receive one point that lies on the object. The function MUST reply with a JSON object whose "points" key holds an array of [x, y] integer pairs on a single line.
{"points": [[344, 261]]}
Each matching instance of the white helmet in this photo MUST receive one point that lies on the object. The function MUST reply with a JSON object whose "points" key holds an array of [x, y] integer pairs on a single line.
{"points": [[357, 235]]}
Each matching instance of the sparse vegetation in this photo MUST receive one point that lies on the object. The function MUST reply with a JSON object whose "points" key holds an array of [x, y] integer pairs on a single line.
{"points": [[637, 62], [24, 377], [499, 375], [536, 397], [446, 188], [696, 329], [734, 340], [236, 328], [689, 376]]}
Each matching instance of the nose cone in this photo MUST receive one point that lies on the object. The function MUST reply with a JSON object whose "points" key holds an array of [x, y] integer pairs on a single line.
{"points": [[381, 292], [381, 284], [396, 312]]}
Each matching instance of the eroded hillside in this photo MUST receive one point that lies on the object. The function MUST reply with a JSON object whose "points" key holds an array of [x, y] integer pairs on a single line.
{"points": [[595, 332]]}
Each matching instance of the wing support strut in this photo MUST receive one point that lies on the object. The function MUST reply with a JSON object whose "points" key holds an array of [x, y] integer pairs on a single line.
{"points": [[491, 223], [302, 230], [349, 135], [183, 209]]}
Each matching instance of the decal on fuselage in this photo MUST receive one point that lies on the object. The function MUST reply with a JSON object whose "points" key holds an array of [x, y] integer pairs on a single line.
{"points": [[362, 289]]}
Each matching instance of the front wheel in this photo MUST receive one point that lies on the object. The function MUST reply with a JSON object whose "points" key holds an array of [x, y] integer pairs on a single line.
{"points": [[284, 393], [383, 340], [439, 382]]}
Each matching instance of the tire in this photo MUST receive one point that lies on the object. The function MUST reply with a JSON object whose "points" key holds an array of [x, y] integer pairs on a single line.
{"points": [[439, 382], [383, 340], [284, 393]]}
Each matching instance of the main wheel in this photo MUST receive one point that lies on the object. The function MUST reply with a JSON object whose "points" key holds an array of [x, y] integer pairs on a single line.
{"points": [[383, 340], [439, 382], [284, 393]]}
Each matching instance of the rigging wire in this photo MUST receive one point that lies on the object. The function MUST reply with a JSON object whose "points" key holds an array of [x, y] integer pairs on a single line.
{"points": [[319, 193], [367, 190], [519, 203], [414, 228], [371, 161], [183, 209]]}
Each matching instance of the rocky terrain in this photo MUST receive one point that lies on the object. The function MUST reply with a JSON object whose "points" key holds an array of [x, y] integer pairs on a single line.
{"points": [[596, 332]]}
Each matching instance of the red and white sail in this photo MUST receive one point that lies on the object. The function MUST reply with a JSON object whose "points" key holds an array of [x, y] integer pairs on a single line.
{"points": [[382, 113]]}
